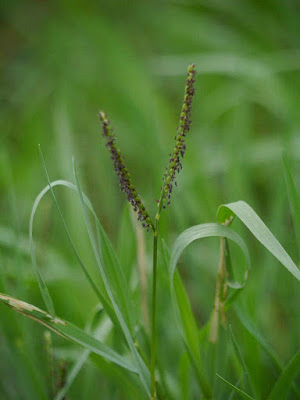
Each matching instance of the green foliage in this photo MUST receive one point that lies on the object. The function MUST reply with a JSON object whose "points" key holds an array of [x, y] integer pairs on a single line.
{"points": [[283, 384], [61, 63]]}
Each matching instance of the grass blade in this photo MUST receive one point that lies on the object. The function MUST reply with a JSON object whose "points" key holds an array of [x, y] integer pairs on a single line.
{"points": [[184, 375], [102, 298], [285, 381], [240, 358], [67, 330], [42, 284], [256, 226], [112, 274], [101, 331], [186, 322], [293, 196], [245, 320], [100, 292], [115, 285], [236, 389]]}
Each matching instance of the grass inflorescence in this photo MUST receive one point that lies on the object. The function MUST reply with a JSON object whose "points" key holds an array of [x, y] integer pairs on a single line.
{"points": [[123, 174], [175, 166], [150, 362], [175, 162]]}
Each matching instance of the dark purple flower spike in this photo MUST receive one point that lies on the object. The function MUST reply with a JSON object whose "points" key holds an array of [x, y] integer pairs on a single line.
{"points": [[175, 162], [123, 173]]}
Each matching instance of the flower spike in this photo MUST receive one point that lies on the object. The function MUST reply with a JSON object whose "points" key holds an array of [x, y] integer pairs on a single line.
{"points": [[175, 162], [123, 173]]}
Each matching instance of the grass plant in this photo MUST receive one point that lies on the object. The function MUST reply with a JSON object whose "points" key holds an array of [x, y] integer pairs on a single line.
{"points": [[227, 292], [121, 339]]}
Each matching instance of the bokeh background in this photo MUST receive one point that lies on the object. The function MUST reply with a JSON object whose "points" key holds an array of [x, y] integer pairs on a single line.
{"points": [[63, 61]]}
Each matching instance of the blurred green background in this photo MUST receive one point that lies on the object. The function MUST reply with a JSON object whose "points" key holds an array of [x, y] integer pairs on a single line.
{"points": [[63, 61]]}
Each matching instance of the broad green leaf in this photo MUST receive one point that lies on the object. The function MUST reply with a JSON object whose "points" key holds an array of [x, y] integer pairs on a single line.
{"points": [[236, 389], [181, 304], [256, 226], [284, 382], [115, 285], [294, 198], [67, 330]]}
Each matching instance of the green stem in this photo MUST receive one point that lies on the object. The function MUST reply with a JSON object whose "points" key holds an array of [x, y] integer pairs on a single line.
{"points": [[153, 328]]}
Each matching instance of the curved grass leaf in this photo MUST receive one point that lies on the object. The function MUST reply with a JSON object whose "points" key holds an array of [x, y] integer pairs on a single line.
{"points": [[42, 284], [100, 292], [111, 274], [107, 249], [101, 297], [115, 284], [186, 322], [236, 389], [256, 226], [118, 277], [67, 330], [285, 381]]}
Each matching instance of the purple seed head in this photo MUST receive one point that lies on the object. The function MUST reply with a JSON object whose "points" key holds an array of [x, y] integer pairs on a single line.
{"points": [[175, 165], [123, 173]]}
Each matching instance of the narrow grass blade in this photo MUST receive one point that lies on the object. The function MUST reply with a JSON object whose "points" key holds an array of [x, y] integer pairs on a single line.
{"points": [[101, 297], [126, 384], [248, 324], [293, 196], [285, 381], [115, 284], [184, 375], [236, 389], [186, 322], [112, 274], [240, 358], [100, 292], [245, 320], [102, 330], [256, 226], [126, 245], [42, 284], [67, 330]]}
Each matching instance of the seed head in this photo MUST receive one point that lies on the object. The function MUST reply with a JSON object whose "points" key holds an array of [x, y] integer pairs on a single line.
{"points": [[123, 173], [175, 161]]}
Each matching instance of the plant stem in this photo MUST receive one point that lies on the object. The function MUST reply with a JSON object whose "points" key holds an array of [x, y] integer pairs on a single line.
{"points": [[141, 257], [153, 328]]}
